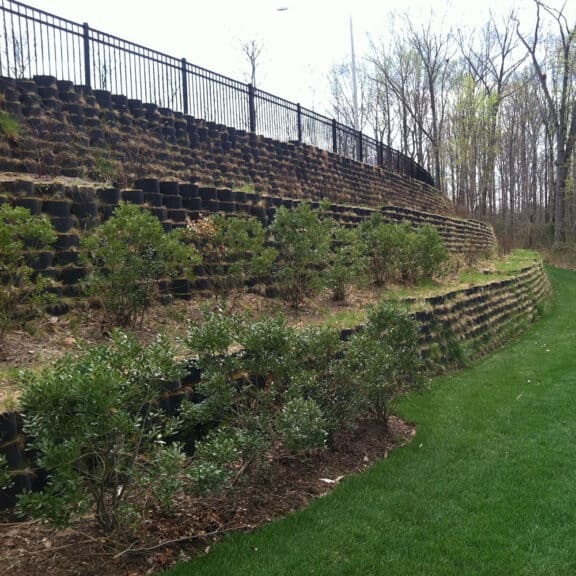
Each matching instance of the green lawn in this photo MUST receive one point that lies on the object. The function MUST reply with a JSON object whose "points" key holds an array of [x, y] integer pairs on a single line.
{"points": [[488, 486]]}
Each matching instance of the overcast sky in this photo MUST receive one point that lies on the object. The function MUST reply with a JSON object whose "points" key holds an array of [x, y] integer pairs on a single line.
{"points": [[300, 43]]}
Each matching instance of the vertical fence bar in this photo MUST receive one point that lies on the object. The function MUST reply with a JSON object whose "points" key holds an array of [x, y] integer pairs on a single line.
{"points": [[87, 67], [360, 151], [252, 108], [299, 122], [184, 87], [334, 137]]}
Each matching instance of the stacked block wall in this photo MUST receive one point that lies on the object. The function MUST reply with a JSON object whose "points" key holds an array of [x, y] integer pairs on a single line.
{"points": [[72, 131], [481, 316], [74, 208]]}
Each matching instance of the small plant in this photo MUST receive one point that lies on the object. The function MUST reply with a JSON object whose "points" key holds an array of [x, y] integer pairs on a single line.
{"points": [[9, 127], [303, 240], [422, 254], [126, 257], [98, 432], [302, 425], [255, 379], [381, 245], [22, 291], [384, 358], [234, 251], [348, 262]]}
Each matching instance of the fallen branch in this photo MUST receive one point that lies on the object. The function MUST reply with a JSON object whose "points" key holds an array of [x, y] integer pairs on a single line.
{"points": [[131, 550]]}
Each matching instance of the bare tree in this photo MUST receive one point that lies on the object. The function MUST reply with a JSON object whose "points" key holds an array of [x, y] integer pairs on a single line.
{"points": [[492, 61], [553, 61], [252, 49], [417, 71]]}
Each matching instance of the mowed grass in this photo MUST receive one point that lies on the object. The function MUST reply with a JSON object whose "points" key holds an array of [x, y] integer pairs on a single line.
{"points": [[488, 486]]}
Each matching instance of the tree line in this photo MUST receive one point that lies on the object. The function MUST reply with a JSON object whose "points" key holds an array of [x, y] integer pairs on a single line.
{"points": [[489, 111]]}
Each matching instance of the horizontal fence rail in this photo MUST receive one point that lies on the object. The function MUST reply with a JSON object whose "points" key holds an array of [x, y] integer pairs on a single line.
{"points": [[37, 43]]}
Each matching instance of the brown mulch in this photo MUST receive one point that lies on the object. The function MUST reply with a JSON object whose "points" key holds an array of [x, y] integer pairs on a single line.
{"points": [[290, 483]]}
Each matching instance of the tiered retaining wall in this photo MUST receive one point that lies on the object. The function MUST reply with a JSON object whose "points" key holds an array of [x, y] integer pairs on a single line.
{"points": [[478, 318], [73, 131]]}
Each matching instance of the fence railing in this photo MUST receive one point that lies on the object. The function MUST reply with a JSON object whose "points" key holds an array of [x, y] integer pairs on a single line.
{"points": [[34, 42]]}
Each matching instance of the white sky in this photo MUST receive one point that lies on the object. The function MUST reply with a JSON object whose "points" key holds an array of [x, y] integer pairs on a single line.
{"points": [[300, 44]]}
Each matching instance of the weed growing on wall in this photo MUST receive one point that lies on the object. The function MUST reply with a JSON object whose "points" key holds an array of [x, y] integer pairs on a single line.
{"points": [[9, 127]]}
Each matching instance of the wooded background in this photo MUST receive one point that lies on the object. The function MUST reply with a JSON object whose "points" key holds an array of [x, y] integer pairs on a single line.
{"points": [[490, 111]]}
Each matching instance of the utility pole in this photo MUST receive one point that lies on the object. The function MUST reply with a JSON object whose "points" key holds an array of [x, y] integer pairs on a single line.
{"points": [[354, 80]]}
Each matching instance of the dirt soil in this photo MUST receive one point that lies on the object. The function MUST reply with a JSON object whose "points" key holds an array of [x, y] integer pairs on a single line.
{"points": [[290, 483]]}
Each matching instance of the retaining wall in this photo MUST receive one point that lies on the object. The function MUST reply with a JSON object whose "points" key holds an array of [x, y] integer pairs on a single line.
{"points": [[73, 131], [74, 208], [475, 319]]}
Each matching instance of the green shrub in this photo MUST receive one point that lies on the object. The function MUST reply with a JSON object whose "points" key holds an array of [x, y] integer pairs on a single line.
{"points": [[422, 255], [384, 358], [431, 250], [222, 456], [302, 425], [255, 377], [347, 264], [234, 251], [126, 257], [381, 245], [303, 241], [97, 431], [22, 291]]}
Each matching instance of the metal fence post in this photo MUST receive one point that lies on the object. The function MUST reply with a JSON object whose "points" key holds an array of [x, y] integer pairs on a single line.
{"points": [[299, 122], [379, 153], [360, 151], [184, 86], [87, 66], [334, 137], [252, 107]]}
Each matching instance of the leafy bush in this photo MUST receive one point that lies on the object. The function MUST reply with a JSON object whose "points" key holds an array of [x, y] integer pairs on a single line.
{"points": [[398, 251], [301, 424], [22, 291], [234, 250], [94, 423], [222, 457], [422, 255], [126, 257], [383, 358], [381, 245], [255, 391], [347, 263], [303, 241]]}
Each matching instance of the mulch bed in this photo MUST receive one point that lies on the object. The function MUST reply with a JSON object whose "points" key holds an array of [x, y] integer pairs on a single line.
{"points": [[290, 483]]}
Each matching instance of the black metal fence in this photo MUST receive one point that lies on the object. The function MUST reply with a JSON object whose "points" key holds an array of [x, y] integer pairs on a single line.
{"points": [[34, 42]]}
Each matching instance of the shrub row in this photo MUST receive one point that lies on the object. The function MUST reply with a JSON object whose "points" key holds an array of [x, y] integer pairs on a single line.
{"points": [[128, 260], [96, 425]]}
